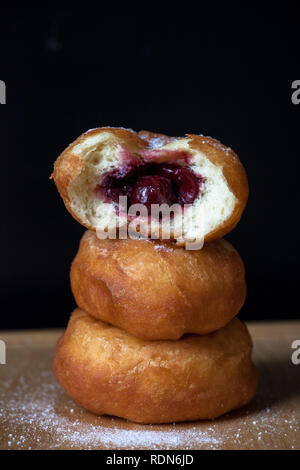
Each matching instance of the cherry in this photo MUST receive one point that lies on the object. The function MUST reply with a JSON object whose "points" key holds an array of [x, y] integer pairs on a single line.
{"points": [[153, 190], [151, 183], [168, 171], [188, 185]]}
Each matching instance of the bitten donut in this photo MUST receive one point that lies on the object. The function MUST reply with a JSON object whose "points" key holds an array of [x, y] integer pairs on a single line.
{"points": [[156, 290], [201, 179], [108, 371]]}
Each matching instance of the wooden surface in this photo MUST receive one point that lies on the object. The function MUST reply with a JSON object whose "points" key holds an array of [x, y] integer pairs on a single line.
{"points": [[35, 413]]}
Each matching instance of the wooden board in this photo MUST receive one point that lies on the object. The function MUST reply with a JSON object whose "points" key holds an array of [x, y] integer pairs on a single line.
{"points": [[35, 413]]}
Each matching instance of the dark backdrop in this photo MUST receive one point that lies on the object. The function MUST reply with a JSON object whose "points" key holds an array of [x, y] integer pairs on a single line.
{"points": [[68, 71]]}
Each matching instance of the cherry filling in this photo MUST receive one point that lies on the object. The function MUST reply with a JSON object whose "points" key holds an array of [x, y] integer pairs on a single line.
{"points": [[151, 183], [153, 189]]}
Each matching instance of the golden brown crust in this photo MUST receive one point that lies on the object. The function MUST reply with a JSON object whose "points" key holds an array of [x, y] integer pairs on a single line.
{"points": [[156, 290], [68, 166], [108, 371]]}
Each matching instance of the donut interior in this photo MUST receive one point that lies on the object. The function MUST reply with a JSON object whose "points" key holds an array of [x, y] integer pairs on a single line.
{"points": [[148, 174]]}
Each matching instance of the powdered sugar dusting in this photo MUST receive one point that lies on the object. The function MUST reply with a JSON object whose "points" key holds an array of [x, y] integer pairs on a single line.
{"points": [[35, 413], [46, 411]]}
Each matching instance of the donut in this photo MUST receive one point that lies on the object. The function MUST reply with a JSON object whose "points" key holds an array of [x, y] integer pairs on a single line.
{"points": [[110, 372], [185, 189], [157, 290]]}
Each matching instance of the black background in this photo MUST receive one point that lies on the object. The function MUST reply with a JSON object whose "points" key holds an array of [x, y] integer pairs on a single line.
{"points": [[68, 71]]}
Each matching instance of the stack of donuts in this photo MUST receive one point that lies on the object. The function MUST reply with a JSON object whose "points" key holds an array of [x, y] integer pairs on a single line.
{"points": [[154, 338]]}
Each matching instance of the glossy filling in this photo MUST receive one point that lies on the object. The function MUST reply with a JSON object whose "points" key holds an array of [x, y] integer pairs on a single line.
{"points": [[150, 183]]}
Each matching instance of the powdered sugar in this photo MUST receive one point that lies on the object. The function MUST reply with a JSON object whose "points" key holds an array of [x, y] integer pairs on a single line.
{"points": [[45, 414], [156, 142], [35, 413]]}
